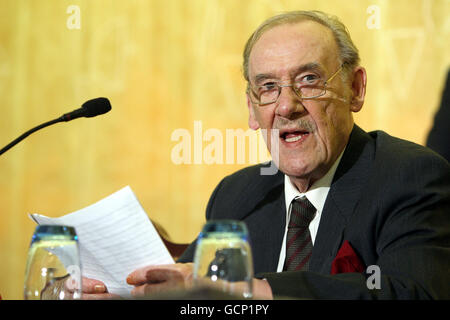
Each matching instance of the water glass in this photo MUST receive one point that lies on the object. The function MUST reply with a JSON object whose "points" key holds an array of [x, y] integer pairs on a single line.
{"points": [[223, 258], [53, 270]]}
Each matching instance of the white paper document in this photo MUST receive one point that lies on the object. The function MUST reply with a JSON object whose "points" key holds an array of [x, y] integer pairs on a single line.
{"points": [[115, 238]]}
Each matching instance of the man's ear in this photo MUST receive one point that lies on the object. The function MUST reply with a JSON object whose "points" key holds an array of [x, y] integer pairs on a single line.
{"points": [[359, 82], [252, 123]]}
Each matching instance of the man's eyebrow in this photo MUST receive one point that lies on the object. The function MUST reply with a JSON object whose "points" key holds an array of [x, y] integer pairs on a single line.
{"points": [[313, 66], [263, 76]]}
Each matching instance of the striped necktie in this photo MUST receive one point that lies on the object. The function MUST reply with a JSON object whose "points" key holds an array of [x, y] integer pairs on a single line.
{"points": [[298, 243]]}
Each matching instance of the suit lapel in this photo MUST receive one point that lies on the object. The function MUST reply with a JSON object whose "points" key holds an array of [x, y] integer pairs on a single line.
{"points": [[342, 199], [266, 228], [265, 216]]}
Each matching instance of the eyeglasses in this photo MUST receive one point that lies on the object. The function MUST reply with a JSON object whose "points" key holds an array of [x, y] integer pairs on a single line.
{"points": [[308, 87]]}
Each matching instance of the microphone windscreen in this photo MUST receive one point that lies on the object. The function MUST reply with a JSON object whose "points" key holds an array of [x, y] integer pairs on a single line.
{"points": [[96, 106]]}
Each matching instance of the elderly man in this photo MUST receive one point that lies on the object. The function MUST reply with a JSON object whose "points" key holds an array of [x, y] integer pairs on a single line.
{"points": [[343, 199]]}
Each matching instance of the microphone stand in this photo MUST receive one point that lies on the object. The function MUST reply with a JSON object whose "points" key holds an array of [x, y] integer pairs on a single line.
{"points": [[89, 109], [26, 134]]}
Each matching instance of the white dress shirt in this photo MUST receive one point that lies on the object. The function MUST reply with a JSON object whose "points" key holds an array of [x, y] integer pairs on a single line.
{"points": [[316, 194]]}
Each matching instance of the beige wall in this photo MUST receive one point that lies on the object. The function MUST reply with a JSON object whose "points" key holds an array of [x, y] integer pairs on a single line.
{"points": [[165, 64]]}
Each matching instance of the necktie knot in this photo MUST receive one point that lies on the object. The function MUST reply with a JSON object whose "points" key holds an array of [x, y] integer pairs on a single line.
{"points": [[302, 213]]}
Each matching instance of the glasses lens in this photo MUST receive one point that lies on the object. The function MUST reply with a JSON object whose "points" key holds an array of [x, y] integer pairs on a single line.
{"points": [[309, 91], [268, 95]]}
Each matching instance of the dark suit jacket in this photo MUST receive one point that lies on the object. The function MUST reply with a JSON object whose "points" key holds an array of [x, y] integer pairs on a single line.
{"points": [[439, 136], [389, 198]]}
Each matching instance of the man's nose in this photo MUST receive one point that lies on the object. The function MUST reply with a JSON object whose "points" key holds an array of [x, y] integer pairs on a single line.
{"points": [[288, 102]]}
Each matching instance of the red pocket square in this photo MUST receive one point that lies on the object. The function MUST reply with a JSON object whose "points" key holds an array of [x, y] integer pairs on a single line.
{"points": [[347, 260]]}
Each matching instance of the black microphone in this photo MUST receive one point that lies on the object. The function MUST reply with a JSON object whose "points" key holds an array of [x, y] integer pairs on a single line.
{"points": [[90, 108]]}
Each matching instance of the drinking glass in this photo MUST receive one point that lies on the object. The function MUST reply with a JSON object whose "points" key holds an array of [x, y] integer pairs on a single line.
{"points": [[223, 258], [53, 270]]}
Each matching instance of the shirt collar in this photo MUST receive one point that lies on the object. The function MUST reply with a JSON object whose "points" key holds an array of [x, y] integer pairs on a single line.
{"points": [[317, 193]]}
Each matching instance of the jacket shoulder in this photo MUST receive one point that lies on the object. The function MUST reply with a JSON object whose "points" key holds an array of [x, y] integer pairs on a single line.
{"points": [[249, 175], [397, 151], [236, 193]]}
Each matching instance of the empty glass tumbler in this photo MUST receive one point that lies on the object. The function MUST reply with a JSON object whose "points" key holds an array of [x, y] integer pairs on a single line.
{"points": [[53, 270], [223, 258]]}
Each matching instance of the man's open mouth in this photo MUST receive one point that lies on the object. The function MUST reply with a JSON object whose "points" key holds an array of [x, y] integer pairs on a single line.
{"points": [[293, 135]]}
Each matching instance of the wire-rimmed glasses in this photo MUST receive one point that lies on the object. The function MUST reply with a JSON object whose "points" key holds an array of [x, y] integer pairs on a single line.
{"points": [[304, 89]]}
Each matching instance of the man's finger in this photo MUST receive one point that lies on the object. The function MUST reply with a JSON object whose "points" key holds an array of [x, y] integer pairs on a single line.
{"points": [[148, 289], [139, 276], [99, 296], [93, 286], [158, 273]]}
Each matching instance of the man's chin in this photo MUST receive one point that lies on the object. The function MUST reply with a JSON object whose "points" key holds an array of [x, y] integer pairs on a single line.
{"points": [[295, 171]]}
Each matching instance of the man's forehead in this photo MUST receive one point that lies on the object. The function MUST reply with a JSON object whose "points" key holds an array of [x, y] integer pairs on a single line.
{"points": [[295, 44]]}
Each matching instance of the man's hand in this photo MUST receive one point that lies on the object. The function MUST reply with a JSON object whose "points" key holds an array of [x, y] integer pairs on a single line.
{"points": [[95, 290], [154, 279], [262, 290]]}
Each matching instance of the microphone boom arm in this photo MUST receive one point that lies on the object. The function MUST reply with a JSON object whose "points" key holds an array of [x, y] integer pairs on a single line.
{"points": [[89, 109], [26, 134]]}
